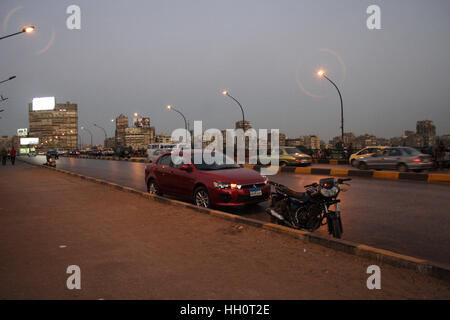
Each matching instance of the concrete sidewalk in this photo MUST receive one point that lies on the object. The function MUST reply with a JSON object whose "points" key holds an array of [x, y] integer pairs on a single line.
{"points": [[129, 247]]}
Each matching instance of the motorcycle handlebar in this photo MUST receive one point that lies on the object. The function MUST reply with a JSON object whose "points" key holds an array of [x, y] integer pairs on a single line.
{"points": [[311, 185]]}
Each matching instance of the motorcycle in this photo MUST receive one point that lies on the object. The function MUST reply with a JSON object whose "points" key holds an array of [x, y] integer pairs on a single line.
{"points": [[51, 162], [308, 210]]}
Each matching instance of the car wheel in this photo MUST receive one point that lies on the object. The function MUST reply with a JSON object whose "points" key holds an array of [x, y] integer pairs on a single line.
{"points": [[362, 166], [153, 188], [402, 167], [283, 164], [201, 197]]}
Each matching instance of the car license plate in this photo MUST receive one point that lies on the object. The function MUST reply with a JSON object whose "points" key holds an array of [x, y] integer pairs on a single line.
{"points": [[255, 192]]}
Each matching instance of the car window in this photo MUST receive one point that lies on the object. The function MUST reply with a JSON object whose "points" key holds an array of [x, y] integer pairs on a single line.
{"points": [[165, 160], [395, 153], [411, 151], [365, 151]]}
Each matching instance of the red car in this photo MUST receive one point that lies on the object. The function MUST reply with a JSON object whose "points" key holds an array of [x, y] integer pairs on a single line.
{"points": [[207, 185]]}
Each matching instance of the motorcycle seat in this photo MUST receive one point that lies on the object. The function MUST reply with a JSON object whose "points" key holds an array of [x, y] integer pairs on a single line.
{"points": [[302, 196]]}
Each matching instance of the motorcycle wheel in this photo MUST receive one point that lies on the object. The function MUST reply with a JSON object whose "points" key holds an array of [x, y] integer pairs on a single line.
{"points": [[337, 230]]}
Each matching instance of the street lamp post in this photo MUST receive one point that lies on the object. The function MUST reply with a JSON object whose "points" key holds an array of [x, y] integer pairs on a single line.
{"points": [[321, 73], [89, 131], [104, 131], [226, 93], [10, 78], [27, 29], [169, 107]]}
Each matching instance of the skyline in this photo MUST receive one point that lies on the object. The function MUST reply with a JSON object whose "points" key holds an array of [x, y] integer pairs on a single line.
{"points": [[186, 52]]}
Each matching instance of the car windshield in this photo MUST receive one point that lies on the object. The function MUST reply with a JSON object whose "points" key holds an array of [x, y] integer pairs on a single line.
{"points": [[292, 150], [215, 166]]}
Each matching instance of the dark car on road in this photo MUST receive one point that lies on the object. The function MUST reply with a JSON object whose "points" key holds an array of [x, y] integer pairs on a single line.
{"points": [[207, 185], [52, 153], [74, 153], [402, 159], [95, 152]]}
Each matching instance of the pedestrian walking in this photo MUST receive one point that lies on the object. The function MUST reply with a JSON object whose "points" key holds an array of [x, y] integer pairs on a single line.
{"points": [[4, 155], [12, 155]]}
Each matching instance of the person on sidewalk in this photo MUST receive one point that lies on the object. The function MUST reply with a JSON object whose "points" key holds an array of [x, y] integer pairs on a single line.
{"points": [[4, 155], [12, 155]]}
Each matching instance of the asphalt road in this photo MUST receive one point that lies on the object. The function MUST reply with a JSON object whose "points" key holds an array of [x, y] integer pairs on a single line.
{"points": [[406, 217]]}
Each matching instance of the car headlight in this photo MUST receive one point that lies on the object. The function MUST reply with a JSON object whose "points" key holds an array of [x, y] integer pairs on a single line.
{"points": [[329, 192], [225, 185]]}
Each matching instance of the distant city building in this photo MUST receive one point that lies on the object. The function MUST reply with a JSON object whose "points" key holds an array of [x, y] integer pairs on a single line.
{"points": [[310, 142], [427, 130], [243, 125], [162, 138], [137, 137], [121, 125], [56, 127], [349, 137], [110, 142]]}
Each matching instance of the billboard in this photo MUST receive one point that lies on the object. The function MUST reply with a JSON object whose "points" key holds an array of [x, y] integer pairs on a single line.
{"points": [[23, 132], [27, 141], [45, 103], [142, 123]]}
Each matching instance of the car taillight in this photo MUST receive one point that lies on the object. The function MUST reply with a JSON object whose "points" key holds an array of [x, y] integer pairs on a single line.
{"points": [[417, 160]]}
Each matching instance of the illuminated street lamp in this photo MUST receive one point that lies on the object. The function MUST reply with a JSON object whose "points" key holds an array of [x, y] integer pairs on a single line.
{"points": [[169, 107], [321, 73], [226, 93], [27, 29], [10, 78]]}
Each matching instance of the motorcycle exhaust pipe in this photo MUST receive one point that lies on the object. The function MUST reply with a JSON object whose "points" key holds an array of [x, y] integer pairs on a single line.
{"points": [[274, 213]]}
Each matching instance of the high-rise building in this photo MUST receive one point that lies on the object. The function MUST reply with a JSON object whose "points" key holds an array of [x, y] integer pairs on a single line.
{"points": [[56, 126], [121, 125], [427, 130], [137, 137]]}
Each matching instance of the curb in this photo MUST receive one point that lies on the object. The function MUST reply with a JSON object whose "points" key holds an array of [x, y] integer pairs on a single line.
{"points": [[389, 175], [379, 255]]}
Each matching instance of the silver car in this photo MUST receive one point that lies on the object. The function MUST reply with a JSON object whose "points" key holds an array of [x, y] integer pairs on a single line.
{"points": [[402, 159]]}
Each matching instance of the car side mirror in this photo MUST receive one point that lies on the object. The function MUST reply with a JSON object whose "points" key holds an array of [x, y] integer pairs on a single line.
{"points": [[185, 167]]}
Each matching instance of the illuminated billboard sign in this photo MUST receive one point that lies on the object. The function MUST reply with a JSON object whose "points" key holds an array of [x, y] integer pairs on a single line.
{"points": [[27, 141], [22, 132], [45, 103]]}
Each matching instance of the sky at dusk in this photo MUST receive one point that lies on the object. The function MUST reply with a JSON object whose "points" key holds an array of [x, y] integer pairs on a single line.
{"points": [[139, 56]]}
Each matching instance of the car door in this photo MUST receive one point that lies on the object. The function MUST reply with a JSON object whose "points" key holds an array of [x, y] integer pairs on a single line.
{"points": [[181, 181], [162, 173], [375, 161], [390, 158]]}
